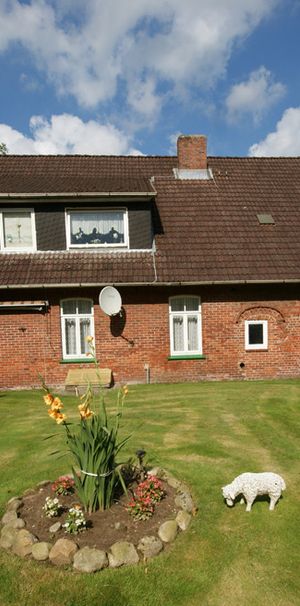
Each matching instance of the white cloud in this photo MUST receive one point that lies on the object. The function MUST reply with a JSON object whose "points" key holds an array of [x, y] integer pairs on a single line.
{"points": [[88, 49], [254, 97], [66, 134], [143, 99], [173, 143], [285, 140]]}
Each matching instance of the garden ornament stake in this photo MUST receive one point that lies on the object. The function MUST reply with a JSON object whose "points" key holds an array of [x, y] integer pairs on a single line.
{"points": [[140, 455]]}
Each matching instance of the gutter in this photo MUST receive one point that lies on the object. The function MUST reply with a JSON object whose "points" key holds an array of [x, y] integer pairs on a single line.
{"points": [[108, 194], [154, 283]]}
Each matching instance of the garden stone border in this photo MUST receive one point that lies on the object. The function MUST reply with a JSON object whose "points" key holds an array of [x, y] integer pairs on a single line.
{"points": [[65, 552]]}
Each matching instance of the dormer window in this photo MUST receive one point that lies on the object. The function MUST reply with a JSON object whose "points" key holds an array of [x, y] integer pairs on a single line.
{"points": [[17, 230], [97, 228]]}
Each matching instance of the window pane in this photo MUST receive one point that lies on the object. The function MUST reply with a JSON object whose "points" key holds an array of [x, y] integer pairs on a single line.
{"points": [[69, 307], [17, 230], [70, 336], [177, 304], [178, 334], [85, 332], [84, 307], [99, 227], [192, 303], [193, 341], [256, 334]]}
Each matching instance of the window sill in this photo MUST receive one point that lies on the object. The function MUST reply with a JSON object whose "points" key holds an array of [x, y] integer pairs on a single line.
{"points": [[256, 349], [87, 360], [187, 357]]}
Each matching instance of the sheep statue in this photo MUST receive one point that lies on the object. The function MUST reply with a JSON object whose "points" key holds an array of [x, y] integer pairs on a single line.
{"points": [[250, 485]]}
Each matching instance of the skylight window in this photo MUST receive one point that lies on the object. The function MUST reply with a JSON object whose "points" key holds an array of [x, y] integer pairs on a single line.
{"points": [[265, 219]]}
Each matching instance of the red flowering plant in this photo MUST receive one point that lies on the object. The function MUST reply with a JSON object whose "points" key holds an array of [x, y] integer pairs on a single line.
{"points": [[147, 494], [63, 485]]}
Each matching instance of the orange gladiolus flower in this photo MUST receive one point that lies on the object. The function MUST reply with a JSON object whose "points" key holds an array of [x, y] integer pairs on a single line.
{"points": [[85, 411], [60, 417], [56, 404], [57, 416], [48, 399]]}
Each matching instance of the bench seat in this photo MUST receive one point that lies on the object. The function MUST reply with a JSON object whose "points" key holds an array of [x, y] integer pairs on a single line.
{"points": [[82, 377]]}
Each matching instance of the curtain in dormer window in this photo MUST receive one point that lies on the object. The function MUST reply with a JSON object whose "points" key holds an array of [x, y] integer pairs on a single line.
{"points": [[102, 227]]}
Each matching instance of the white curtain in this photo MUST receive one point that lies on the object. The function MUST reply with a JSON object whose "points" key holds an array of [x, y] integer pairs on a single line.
{"points": [[70, 334], [192, 325], [85, 332], [102, 222], [178, 334]]}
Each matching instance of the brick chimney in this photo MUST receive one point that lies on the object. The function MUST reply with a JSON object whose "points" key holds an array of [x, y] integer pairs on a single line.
{"points": [[191, 152]]}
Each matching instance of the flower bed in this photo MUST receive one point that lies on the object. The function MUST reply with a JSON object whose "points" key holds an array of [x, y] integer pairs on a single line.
{"points": [[112, 538]]}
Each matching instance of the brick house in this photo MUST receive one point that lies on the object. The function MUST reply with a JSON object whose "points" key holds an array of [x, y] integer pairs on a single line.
{"points": [[204, 251]]}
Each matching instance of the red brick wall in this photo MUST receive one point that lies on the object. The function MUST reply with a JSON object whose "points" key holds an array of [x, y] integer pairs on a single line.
{"points": [[30, 342]]}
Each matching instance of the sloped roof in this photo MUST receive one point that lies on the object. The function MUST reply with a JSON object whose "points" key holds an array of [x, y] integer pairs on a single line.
{"points": [[209, 230], [53, 174]]}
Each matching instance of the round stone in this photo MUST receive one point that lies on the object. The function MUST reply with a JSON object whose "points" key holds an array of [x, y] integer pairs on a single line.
{"points": [[183, 519], [185, 502], [14, 504], [150, 546], [23, 542], [8, 536], [62, 552], [122, 553], [89, 559], [55, 528], [40, 551], [167, 531], [9, 517]]}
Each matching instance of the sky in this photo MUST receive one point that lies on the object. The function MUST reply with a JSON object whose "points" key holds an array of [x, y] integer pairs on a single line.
{"points": [[128, 76]]}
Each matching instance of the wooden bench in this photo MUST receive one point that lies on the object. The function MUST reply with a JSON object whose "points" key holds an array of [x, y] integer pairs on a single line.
{"points": [[82, 377]]}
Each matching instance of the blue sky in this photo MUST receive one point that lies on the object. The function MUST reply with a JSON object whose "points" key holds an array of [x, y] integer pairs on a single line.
{"points": [[128, 76]]}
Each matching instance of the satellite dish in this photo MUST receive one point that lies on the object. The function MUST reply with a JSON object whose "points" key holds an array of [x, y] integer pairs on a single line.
{"points": [[110, 301]]}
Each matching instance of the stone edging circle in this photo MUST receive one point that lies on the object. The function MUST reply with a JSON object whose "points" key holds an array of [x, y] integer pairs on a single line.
{"points": [[65, 552]]}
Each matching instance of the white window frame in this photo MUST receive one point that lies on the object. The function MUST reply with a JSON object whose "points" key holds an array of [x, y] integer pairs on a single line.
{"points": [[185, 315], [264, 344], [77, 317], [33, 230], [71, 211]]}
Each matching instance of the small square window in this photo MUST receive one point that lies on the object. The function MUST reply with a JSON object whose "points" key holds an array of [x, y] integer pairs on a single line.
{"points": [[256, 334]]}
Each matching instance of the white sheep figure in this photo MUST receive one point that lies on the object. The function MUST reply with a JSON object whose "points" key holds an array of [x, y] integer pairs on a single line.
{"points": [[250, 485]]}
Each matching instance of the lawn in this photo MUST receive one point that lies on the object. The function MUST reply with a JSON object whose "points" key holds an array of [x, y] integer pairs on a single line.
{"points": [[206, 434]]}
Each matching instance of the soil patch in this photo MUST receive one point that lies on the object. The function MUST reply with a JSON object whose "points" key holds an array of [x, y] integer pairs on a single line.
{"points": [[104, 527]]}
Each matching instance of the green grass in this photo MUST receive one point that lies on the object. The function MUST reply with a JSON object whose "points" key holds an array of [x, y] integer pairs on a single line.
{"points": [[206, 434]]}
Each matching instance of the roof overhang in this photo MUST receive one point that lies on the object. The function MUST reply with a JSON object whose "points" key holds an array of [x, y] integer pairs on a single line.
{"points": [[99, 194], [143, 284]]}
